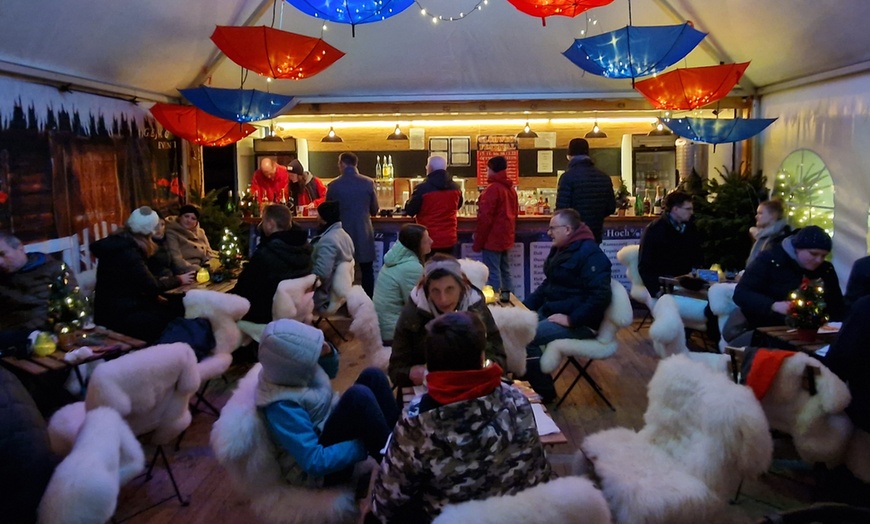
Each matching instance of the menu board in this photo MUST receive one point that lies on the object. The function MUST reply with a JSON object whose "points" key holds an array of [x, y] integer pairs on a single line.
{"points": [[489, 146], [614, 239]]}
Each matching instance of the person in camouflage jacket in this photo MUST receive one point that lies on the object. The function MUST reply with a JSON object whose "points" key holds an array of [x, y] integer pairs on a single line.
{"points": [[469, 438]]}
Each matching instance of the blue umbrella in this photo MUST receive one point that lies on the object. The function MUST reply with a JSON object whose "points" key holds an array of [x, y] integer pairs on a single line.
{"points": [[238, 105], [718, 130], [351, 12], [634, 51]]}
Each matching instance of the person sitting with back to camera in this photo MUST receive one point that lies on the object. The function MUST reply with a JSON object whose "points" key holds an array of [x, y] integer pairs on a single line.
{"points": [[160, 263], [443, 289], [762, 294], [330, 248], [402, 269], [318, 440], [470, 437], [186, 241]]}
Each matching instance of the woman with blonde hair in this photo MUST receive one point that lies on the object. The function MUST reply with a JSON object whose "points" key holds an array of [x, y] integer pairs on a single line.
{"points": [[127, 296]]}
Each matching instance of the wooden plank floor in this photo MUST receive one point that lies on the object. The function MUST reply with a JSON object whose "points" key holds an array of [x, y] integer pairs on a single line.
{"points": [[623, 379]]}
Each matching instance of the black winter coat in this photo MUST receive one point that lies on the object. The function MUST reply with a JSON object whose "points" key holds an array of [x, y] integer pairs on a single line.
{"points": [[160, 265], [26, 459], [859, 281], [577, 284], [126, 297], [850, 360], [665, 252], [281, 255], [772, 276], [589, 191]]}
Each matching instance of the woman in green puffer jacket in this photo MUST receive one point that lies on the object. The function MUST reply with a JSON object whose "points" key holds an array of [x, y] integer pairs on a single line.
{"points": [[402, 269]]}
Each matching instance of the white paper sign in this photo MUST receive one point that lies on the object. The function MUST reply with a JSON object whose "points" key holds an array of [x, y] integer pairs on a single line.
{"points": [[538, 252]]}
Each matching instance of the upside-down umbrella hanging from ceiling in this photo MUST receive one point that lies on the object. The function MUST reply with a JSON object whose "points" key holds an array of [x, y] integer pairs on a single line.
{"points": [[351, 12], [275, 53], [718, 130], [238, 105], [199, 127], [691, 88], [544, 8], [634, 51]]}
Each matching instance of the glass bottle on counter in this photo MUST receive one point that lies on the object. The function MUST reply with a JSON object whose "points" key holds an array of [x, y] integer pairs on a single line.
{"points": [[657, 204], [231, 204], [638, 202], [386, 174], [392, 171], [379, 173], [546, 206], [647, 204]]}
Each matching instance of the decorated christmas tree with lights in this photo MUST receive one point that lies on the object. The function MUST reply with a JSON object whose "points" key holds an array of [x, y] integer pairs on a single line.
{"points": [[807, 309], [68, 310], [230, 251]]}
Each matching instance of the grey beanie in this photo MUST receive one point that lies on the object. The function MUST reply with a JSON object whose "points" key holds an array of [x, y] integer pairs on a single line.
{"points": [[289, 351], [811, 237], [143, 221]]}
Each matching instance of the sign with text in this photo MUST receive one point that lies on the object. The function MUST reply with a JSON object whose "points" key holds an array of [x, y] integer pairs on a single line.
{"points": [[489, 146], [538, 252], [614, 239]]}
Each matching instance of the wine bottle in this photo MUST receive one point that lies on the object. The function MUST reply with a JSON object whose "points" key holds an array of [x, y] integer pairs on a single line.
{"points": [[392, 169], [647, 204], [231, 204], [379, 173], [657, 204]]}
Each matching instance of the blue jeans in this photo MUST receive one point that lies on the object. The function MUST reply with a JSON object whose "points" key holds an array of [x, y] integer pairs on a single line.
{"points": [[547, 332], [366, 411], [499, 270]]}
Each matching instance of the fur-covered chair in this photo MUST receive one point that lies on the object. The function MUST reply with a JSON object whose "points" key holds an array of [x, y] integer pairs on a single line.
{"points": [[618, 315], [223, 311], [721, 299], [703, 435], [668, 336], [294, 299], [567, 499], [819, 427], [242, 445], [85, 486]]}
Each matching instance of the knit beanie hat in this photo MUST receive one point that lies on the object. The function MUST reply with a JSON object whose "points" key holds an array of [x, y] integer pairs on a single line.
{"points": [[451, 265], [578, 146], [329, 211], [143, 221], [811, 237], [296, 166], [289, 351], [497, 163], [189, 208]]}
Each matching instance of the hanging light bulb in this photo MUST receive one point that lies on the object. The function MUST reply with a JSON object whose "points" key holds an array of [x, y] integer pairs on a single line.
{"points": [[331, 136], [527, 132], [397, 134], [596, 132]]}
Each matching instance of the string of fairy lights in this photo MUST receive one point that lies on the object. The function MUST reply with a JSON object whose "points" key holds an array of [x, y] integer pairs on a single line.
{"points": [[451, 18]]}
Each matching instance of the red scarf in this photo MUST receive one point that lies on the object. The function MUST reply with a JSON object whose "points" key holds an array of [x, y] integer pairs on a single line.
{"points": [[447, 387], [764, 368]]}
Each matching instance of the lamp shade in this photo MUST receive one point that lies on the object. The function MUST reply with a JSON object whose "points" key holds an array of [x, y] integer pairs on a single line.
{"points": [[331, 136], [527, 132], [198, 127], [351, 12], [275, 53], [718, 130], [596, 132], [397, 134], [544, 8], [238, 105], [634, 51], [691, 88]]}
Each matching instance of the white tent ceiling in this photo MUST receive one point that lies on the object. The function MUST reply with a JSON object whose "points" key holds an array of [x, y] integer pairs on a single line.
{"points": [[150, 48]]}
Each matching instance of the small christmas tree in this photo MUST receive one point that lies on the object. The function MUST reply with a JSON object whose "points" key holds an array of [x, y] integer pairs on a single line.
{"points": [[249, 204], [67, 308], [230, 252], [807, 309]]}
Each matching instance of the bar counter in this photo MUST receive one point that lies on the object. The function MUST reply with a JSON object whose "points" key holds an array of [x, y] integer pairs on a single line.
{"points": [[529, 252]]}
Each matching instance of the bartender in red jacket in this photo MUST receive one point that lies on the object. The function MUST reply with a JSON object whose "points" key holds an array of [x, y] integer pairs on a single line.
{"points": [[270, 181]]}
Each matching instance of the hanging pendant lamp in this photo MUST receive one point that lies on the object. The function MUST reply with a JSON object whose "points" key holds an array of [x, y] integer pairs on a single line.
{"points": [[527, 132], [596, 132], [397, 134], [331, 136]]}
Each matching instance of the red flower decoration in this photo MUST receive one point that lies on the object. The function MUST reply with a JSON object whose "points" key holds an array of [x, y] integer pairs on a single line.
{"points": [[4, 197]]}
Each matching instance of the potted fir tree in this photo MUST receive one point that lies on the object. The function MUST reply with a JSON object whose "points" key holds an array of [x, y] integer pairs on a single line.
{"points": [[806, 313]]}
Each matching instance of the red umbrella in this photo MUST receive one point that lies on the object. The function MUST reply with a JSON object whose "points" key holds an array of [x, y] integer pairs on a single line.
{"points": [[199, 127], [544, 8], [275, 53], [691, 88]]}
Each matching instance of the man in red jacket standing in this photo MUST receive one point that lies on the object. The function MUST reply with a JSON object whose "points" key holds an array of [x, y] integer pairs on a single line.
{"points": [[270, 181], [434, 203], [496, 225]]}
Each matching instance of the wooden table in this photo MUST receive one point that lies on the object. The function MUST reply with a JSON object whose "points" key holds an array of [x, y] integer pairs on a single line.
{"points": [[222, 287], [105, 343], [788, 339], [552, 439]]}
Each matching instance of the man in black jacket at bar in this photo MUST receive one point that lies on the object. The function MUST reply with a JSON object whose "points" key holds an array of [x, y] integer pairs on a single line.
{"points": [[283, 253], [585, 188]]}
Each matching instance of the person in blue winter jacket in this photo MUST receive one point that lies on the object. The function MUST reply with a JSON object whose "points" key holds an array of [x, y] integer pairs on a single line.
{"points": [[318, 444]]}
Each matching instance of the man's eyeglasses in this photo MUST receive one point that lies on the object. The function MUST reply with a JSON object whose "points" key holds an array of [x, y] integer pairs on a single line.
{"points": [[551, 228]]}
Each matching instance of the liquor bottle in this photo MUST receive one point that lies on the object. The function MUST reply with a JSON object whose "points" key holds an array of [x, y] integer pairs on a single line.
{"points": [[392, 169], [647, 204], [540, 208], [379, 173], [231, 204], [283, 196], [638, 202], [386, 172], [657, 204], [546, 206]]}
